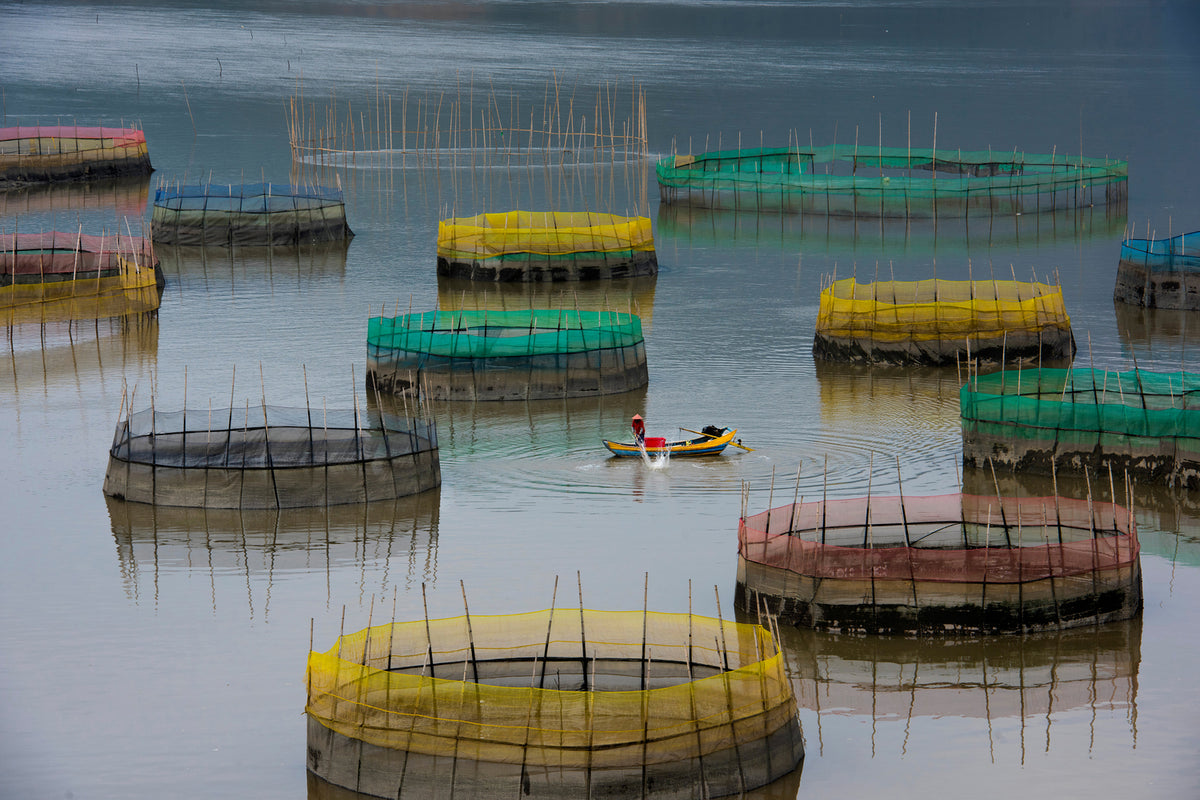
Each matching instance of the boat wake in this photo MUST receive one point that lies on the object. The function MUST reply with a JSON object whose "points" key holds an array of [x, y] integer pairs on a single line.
{"points": [[657, 461]]}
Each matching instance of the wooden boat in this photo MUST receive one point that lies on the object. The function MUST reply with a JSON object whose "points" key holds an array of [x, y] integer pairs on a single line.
{"points": [[709, 443]]}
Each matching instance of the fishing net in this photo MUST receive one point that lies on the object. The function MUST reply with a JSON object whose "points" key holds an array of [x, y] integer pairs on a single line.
{"points": [[889, 181], [525, 246], [43, 153], [1160, 273], [941, 322], [253, 214], [507, 355], [1146, 423], [942, 564], [269, 457], [60, 276], [555, 703]]}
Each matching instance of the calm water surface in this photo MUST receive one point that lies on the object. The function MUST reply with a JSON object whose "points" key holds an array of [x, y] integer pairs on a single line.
{"points": [[160, 652]]}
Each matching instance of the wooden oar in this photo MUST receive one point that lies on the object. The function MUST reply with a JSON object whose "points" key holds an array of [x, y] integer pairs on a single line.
{"points": [[709, 435]]}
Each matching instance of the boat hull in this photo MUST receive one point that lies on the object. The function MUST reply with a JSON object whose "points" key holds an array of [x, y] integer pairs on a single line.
{"points": [[701, 446]]}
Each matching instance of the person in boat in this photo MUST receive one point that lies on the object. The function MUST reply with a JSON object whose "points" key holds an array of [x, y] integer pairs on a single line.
{"points": [[639, 430]]}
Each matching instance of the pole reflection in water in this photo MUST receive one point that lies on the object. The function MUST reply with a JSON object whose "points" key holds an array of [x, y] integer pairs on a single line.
{"points": [[66, 352], [786, 788], [390, 544], [848, 236], [1027, 679], [1159, 333], [632, 295], [913, 410], [1167, 518], [125, 196], [223, 269]]}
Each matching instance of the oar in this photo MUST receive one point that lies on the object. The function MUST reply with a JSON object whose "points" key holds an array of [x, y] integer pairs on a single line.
{"points": [[709, 435]]}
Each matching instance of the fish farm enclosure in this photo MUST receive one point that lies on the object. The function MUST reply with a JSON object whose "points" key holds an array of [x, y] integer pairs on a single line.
{"points": [[269, 457], [1160, 273], [31, 154], [936, 322], [564, 703], [942, 565], [847, 180], [1077, 420], [524, 246], [259, 214], [506, 355], [60, 276]]}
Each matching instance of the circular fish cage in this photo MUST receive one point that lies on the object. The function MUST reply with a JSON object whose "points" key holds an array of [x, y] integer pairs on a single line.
{"points": [[59, 276], [269, 457], [946, 564], [935, 322], [1160, 273], [31, 154], [543, 246], [506, 355], [1079, 420], [845, 180], [560, 703], [251, 215]]}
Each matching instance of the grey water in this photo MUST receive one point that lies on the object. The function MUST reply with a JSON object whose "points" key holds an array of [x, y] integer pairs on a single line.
{"points": [[160, 652]]}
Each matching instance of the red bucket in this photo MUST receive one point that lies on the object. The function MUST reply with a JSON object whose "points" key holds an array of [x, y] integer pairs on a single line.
{"points": [[653, 442]]}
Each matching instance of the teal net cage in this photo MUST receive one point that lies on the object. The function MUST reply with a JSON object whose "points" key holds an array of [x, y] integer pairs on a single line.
{"points": [[866, 181], [253, 214], [507, 355], [1160, 273], [1071, 420]]}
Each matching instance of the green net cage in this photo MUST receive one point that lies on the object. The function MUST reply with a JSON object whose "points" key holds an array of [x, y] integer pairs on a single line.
{"points": [[507, 355], [867, 181], [1047, 420]]}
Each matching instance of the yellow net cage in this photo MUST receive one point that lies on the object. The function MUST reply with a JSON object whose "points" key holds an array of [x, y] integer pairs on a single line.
{"points": [[57, 277], [939, 321], [576, 691], [522, 246]]}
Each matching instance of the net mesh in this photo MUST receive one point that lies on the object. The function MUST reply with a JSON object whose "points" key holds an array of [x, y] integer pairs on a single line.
{"points": [[269, 456], [58, 276], [880, 181], [248, 214], [940, 321], [948, 538], [546, 246], [941, 564], [41, 153], [561, 688], [493, 355], [1160, 273], [1140, 421]]}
